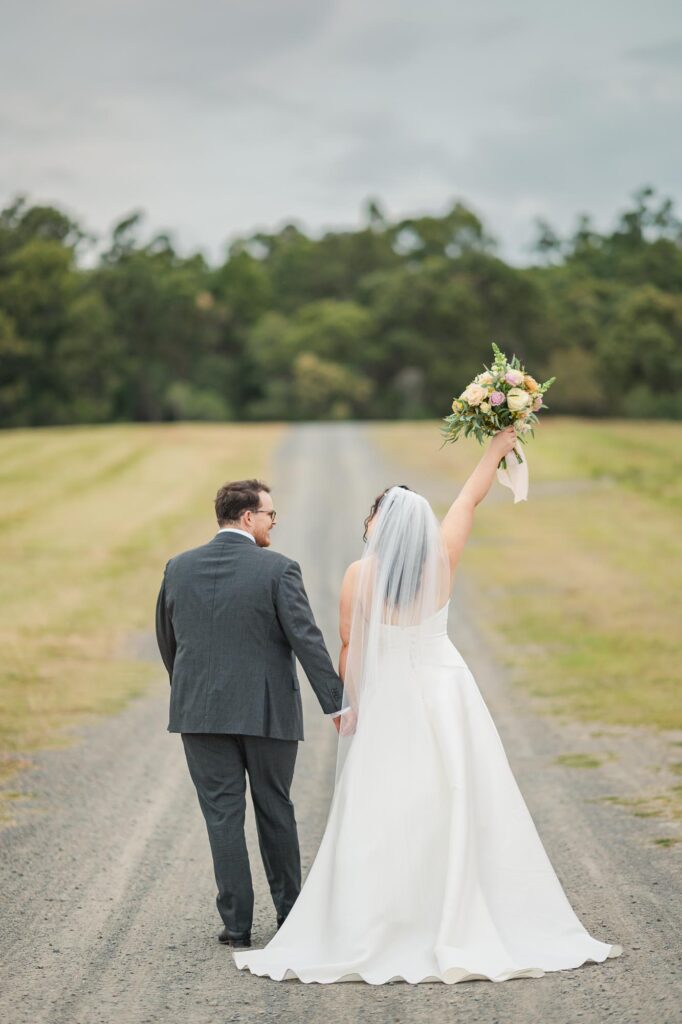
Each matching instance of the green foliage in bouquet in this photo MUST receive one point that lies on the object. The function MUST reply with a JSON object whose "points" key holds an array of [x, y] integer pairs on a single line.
{"points": [[503, 395]]}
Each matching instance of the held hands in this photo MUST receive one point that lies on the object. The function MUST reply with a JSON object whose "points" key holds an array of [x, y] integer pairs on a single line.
{"points": [[345, 723], [348, 722], [503, 442]]}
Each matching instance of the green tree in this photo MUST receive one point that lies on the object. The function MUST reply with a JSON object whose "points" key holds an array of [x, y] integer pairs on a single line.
{"points": [[16, 359], [642, 350], [388, 320]]}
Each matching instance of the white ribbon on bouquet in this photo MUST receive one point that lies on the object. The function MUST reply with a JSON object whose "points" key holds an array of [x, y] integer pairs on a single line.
{"points": [[515, 476]]}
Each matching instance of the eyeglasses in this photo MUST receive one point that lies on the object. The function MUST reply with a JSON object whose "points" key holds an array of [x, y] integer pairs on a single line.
{"points": [[268, 512]]}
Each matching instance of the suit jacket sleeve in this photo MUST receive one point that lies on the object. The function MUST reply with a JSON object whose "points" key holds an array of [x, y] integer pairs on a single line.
{"points": [[165, 637], [305, 639]]}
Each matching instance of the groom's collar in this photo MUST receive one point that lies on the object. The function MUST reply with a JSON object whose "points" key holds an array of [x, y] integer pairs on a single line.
{"points": [[232, 531]]}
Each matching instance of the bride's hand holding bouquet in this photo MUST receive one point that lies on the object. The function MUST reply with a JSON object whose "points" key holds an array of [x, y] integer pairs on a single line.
{"points": [[500, 399], [503, 443]]}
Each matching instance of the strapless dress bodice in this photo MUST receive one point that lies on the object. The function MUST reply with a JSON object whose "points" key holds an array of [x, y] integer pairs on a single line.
{"points": [[431, 629]]}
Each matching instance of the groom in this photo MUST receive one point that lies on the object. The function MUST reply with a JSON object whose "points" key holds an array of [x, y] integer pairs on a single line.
{"points": [[230, 617]]}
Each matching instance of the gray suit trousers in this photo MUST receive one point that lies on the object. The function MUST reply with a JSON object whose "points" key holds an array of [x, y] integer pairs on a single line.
{"points": [[218, 764]]}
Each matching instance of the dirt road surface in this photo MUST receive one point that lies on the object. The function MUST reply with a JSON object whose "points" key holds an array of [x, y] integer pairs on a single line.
{"points": [[108, 908]]}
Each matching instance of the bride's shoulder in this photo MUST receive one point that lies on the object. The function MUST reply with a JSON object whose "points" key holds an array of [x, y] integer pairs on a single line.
{"points": [[352, 570]]}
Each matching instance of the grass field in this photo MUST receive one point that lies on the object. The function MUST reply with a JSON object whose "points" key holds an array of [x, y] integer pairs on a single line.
{"points": [[88, 517], [582, 582]]}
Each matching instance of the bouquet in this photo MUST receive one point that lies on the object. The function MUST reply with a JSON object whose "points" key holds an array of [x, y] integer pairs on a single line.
{"points": [[503, 395]]}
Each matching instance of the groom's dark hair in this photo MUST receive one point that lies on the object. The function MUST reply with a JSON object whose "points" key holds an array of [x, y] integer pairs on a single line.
{"points": [[237, 497]]}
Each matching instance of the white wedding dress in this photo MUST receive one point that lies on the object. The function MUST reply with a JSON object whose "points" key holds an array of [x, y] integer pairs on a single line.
{"points": [[430, 867]]}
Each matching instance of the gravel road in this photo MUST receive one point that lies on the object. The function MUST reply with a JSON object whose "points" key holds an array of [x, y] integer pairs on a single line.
{"points": [[107, 910]]}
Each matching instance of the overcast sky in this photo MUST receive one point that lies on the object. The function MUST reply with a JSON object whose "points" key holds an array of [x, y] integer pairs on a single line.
{"points": [[221, 116]]}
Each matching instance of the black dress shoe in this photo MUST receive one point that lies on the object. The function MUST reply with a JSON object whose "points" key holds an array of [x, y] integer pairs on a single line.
{"points": [[235, 941]]}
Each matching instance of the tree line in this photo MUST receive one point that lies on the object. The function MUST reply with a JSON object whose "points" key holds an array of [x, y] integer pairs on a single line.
{"points": [[387, 321]]}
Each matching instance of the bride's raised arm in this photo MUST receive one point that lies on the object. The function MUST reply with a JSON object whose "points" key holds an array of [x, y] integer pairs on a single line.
{"points": [[456, 525]]}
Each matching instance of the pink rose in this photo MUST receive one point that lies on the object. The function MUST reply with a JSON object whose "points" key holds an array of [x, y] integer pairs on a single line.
{"points": [[497, 398], [514, 377], [537, 404]]}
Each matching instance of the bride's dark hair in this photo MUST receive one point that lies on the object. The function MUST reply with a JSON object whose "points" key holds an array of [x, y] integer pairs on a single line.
{"points": [[400, 545], [375, 506]]}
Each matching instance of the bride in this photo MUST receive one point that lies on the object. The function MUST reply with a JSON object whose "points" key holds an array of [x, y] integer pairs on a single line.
{"points": [[430, 867]]}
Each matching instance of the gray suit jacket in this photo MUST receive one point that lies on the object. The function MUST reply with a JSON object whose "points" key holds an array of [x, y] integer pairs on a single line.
{"points": [[229, 619]]}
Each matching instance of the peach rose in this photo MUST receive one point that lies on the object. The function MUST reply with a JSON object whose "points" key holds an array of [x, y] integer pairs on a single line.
{"points": [[474, 394]]}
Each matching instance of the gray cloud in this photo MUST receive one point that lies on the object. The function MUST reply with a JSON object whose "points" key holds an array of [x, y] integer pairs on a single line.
{"points": [[497, 29], [377, 150], [667, 51], [381, 43], [224, 115]]}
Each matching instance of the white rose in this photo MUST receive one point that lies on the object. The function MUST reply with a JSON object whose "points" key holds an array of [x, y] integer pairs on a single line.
{"points": [[485, 406], [485, 379], [517, 399]]}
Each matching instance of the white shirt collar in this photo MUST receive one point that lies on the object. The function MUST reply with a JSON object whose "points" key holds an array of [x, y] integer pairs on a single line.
{"points": [[233, 529]]}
